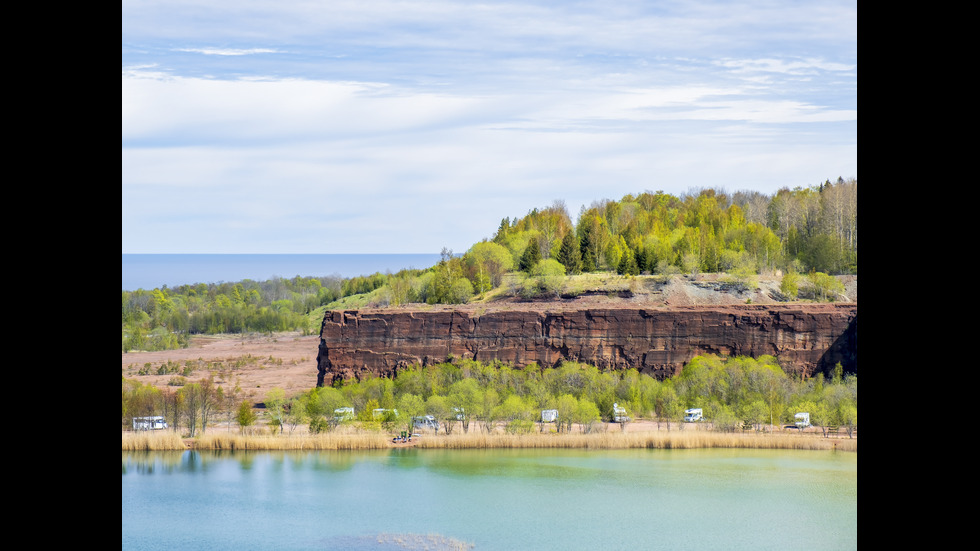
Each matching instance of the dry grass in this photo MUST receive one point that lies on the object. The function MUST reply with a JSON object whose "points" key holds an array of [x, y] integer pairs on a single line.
{"points": [[355, 440], [156, 440], [627, 440]]}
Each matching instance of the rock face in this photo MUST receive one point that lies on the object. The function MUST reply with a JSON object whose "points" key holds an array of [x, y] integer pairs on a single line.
{"points": [[804, 338]]}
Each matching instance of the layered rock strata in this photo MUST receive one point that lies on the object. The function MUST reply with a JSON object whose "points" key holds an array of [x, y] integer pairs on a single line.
{"points": [[805, 338]]}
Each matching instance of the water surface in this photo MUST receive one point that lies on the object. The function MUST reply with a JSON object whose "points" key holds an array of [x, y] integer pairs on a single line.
{"points": [[151, 271], [491, 499]]}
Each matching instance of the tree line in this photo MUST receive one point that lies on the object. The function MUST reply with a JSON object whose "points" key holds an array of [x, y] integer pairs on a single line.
{"points": [[468, 395], [802, 230]]}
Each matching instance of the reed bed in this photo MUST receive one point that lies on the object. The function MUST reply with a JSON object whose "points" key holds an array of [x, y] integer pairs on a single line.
{"points": [[152, 441], [606, 440], [629, 440]]}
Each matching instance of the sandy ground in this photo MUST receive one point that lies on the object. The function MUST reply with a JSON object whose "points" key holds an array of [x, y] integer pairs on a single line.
{"points": [[257, 363]]}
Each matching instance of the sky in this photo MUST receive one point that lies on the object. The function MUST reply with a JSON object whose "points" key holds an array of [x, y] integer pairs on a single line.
{"points": [[409, 126]]}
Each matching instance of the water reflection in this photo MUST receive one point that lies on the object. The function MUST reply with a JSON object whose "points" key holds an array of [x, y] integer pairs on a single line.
{"points": [[493, 499]]}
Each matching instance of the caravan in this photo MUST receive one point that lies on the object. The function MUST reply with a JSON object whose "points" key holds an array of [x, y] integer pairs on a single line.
{"points": [[156, 422], [693, 414], [802, 420], [343, 414], [619, 414], [426, 422]]}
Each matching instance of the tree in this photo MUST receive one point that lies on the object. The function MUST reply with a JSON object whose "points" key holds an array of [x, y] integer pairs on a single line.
{"points": [[410, 406], [594, 236], [276, 407], [549, 275], [567, 411], [448, 284], [438, 407], [492, 259], [295, 414], [627, 263], [530, 257], [209, 400], [824, 286], [488, 409], [518, 416], [790, 284], [192, 402], [463, 398], [570, 254], [246, 416], [756, 413], [586, 413]]}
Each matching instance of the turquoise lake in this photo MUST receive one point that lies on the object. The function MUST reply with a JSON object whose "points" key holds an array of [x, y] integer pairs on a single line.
{"points": [[490, 500]]}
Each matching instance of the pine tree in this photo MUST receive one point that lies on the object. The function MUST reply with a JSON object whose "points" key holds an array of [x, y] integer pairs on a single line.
{"points": [[531, 256], [627, 263], [570, 255], [589, 262]]}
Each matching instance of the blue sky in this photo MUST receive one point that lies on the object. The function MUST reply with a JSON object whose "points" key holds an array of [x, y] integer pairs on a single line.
{"points": [[408, 126]]}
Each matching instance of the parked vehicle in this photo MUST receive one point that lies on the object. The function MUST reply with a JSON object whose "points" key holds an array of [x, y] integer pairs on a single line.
{"points": [[426, 422], [693, 414], [802, 420], [619, 414], [156, 422], [343, 414], [381, 413]]}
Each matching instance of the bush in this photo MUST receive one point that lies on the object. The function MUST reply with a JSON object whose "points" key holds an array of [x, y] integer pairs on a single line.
{"points": [[724, 420]]}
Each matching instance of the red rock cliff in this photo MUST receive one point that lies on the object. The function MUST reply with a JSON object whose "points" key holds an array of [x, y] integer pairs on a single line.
{"points": [[804, 337]]}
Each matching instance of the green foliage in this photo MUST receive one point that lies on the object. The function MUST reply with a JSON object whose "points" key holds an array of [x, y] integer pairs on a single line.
{"points": [[790, 284], [731, 390], [486, 263], [570, 254], [277, 408], [246, 416], [823, 287], [546, 279], [448, 284], [530, 257], [627, 263]]}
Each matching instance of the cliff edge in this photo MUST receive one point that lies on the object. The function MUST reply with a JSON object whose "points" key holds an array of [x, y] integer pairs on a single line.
{"points": [[655, 330]]}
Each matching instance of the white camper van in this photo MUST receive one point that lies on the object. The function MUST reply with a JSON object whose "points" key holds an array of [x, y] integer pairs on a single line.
{"points": [[343, 414], [693, 414], [802, 420], [156, 422], [426, 422], [619, 414]]}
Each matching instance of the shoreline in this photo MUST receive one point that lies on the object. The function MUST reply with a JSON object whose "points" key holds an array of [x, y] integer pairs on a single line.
{"points": [[599, 440]]}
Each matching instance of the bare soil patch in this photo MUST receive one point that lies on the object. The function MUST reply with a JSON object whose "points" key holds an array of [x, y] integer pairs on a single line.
{"points": [[257, 363]]}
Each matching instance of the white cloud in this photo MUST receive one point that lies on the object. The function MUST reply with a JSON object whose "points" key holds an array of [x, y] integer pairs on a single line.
{"points": [[227, 51], [411, 125]]}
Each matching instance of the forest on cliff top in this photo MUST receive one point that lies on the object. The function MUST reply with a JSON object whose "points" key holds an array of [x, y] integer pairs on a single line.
{"points": [[807, 235]]}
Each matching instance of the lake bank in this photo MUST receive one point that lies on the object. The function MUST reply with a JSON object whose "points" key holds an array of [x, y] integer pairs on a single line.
{"points": [[474, 439]]}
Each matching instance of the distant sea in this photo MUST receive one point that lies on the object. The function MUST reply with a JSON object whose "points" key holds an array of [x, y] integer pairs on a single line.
{"points": [[151, 271]]}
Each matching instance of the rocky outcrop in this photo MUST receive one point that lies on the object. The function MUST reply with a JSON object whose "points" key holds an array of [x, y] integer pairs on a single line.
{"points": [[659, 341]]}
